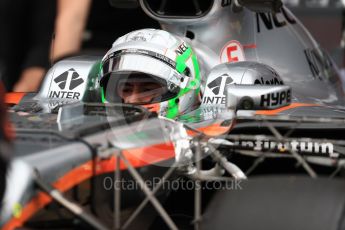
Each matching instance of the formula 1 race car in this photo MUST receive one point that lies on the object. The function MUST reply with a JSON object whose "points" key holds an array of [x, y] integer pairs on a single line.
{"points": [[272, 110]]}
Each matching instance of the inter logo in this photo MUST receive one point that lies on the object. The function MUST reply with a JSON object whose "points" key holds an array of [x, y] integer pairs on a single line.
{"points": [[215, 91], [218, 85], [67, 82], [71, 78]]}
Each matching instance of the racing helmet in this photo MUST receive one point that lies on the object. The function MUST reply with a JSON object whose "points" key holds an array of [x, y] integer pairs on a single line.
{"points": [[152, 68]]}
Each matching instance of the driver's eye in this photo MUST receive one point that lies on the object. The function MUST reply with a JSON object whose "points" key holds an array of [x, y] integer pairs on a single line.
{"points": [[147, 89], [127, 89]]}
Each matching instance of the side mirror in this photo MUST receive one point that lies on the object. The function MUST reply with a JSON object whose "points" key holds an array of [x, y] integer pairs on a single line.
{"points": [[261, 6], [71, 79], [245, 85], [253, 97]]}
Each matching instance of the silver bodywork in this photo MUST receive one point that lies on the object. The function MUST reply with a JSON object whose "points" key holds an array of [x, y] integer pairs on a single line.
{"points": [[279, 41], [221, 36], [227, 80], [72, 79], [68, 81]]}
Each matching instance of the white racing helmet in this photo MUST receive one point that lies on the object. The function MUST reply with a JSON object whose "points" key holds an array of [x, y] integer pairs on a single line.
{"points": [[152, 68]]}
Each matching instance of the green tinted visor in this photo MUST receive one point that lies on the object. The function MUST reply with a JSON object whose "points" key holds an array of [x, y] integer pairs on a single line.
{"points": [[133, 87]]}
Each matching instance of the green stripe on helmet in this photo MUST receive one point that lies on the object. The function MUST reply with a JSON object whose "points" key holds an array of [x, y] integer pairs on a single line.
{"points": [[173, 107], [181, 64], [182, 59], [103, 96]]}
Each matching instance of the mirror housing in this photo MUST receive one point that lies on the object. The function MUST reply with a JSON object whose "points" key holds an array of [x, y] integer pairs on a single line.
{"points": [[252, 97], [245, 85], [72, 79], [68, 81]]}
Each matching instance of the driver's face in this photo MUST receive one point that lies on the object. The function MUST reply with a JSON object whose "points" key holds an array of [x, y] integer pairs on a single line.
{"points": [[136, 92]]}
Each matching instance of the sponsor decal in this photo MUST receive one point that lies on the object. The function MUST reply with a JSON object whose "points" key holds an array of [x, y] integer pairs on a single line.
{"points": [[284, 147], [181, 49], [56, 104], [66, 83], [232, 52], [273, 21], [274, 99], [273, 81], [211, 112], [140, 36], [215, 90]]}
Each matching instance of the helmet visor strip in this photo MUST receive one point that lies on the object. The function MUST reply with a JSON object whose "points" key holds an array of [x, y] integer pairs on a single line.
{"points": [[149, 62]]}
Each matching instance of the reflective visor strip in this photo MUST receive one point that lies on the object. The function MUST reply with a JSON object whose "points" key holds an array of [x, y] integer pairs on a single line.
{"points": [[181, 60], [148, 53]]}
